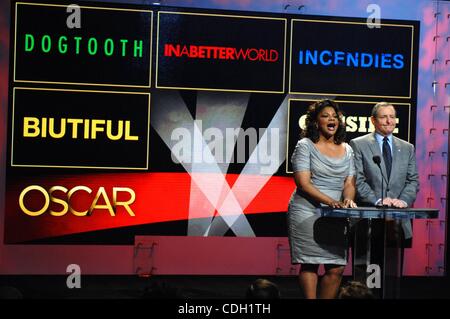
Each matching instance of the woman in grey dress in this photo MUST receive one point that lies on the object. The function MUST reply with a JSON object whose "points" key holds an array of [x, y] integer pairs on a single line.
{"points": [[324, 174]]}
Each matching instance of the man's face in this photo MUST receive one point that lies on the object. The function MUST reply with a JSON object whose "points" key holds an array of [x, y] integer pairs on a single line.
{"points": [[385, 120]]}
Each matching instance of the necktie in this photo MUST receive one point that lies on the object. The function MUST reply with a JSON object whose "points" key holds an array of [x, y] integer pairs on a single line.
{"points": [[387, 156]]}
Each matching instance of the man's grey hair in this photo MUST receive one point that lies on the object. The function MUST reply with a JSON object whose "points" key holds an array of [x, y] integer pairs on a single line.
{"points": [[377, 107]]}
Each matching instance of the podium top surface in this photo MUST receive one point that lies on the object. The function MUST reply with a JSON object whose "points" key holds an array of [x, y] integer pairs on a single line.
{"points": [[373, 212]]}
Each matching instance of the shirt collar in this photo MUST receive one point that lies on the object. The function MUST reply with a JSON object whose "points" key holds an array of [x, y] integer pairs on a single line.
{"points": [[380, 137]]}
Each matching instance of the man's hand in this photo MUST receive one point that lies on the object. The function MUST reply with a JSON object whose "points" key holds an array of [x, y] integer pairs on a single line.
{"points": [[398, 203], [386, 202]]}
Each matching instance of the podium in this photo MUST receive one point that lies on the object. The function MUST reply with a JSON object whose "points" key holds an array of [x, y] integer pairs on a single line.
{"points": [[378, 253]]}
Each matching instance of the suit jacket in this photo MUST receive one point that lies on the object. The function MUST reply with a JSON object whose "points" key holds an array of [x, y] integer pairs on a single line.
{"points": [[404, 180]]}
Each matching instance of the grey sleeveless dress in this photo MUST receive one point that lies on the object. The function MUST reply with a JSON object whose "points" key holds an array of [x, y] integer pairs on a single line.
{"points": [[314, 239]]}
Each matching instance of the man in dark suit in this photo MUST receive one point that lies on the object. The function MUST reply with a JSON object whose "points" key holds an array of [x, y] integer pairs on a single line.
{"points": [[398, 167]]}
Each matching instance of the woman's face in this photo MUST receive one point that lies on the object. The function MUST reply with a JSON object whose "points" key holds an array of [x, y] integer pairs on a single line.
{"points": [[328, 121]]}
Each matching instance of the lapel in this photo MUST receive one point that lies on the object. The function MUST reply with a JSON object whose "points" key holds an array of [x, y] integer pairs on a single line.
{"points": [[395, 156], [375, 148]]}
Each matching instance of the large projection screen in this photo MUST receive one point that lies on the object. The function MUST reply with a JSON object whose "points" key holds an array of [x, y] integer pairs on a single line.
{"points": [[180, 122]]}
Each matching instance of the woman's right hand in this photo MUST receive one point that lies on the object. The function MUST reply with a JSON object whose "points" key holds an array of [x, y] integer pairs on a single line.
{"points": [[335, 204], [348, 203]]}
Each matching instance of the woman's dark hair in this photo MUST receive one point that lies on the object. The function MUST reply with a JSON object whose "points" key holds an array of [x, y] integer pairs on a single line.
{"points": [[312, 131]]}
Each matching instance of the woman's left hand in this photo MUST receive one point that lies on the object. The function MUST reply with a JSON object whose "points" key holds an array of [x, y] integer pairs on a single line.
{"points": [[349, 203]]}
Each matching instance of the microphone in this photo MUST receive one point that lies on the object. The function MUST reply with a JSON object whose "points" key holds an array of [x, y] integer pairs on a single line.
{"points": [[377, 160]]}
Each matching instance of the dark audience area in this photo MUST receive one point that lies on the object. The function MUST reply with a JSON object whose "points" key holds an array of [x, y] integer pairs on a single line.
{"points": [[194, 287]]}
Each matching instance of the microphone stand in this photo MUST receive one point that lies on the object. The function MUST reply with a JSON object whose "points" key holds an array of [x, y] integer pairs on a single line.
{"points": [[377, 161], [382, 191]]}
